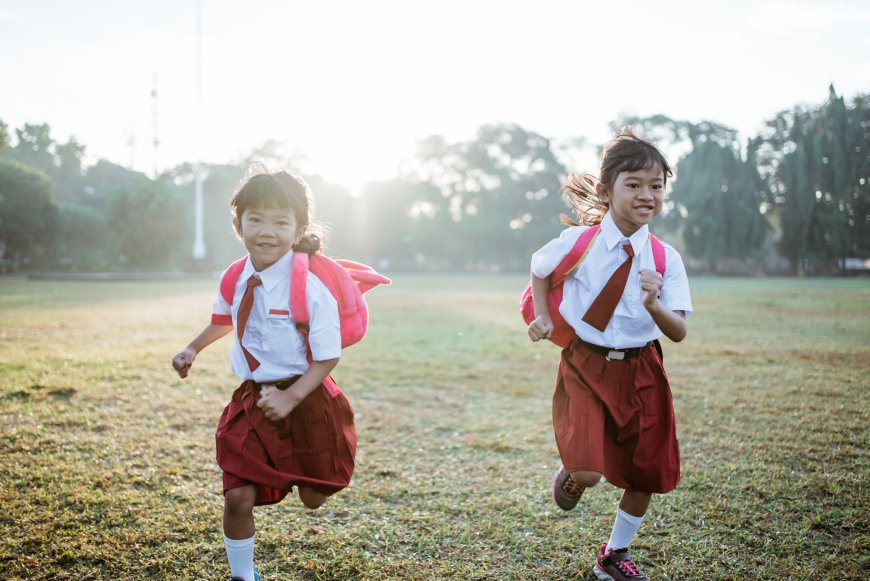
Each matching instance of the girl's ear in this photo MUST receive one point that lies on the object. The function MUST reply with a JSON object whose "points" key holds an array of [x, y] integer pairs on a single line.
{"points": [[237, 226], [603, 192]]}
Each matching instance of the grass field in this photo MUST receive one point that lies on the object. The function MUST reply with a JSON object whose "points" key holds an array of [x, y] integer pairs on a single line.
{"points": [[107, 458]]}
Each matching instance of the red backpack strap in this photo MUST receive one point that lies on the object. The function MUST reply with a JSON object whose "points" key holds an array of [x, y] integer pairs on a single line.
{"points": [[230, 278], [658, 251], [298, 287], [576, 255]]}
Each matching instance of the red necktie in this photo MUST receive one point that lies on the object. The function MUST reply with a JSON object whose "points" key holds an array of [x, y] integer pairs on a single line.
{"points": [[601, 309], [242, 319]]}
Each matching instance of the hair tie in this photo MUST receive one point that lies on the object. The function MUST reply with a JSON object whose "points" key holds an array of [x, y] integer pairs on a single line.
{"points": [[309, 244]]}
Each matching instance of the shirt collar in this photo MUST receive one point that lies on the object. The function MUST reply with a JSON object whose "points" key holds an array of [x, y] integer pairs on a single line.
{"points": [[272, 275], [613, 236]]}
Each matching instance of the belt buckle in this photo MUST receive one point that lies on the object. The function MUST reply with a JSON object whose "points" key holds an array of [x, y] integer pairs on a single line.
{"points": [[618, 355]]}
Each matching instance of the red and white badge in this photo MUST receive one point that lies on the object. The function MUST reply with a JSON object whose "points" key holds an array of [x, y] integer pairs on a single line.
{"points": [[278, 314]]}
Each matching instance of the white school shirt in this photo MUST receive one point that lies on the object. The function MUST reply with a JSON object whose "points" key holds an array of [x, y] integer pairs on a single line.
{"points": [[631, 324], [270, 334]]}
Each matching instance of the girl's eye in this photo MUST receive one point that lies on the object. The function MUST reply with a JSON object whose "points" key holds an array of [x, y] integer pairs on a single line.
{"points": [[632, 186]]}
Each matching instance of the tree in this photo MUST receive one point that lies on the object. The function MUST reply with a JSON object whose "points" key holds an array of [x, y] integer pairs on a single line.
{"points": [[142, 222], [34, 147], [4, 135], [670, 135], [817, 164], [498, 196], [68, 172], [719, 195], [61, 162], [28, 215]]}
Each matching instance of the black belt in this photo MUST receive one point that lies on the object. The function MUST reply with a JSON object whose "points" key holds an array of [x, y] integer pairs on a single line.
{"points": [[280, 383], [613, 353]]}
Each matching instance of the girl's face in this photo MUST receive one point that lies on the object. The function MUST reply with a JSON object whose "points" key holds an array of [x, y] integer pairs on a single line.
{"points": [[636, 198], [268, 234]]}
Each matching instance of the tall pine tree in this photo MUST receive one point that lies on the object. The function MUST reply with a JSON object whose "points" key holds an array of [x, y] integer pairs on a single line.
{"points": [[817, 161]]}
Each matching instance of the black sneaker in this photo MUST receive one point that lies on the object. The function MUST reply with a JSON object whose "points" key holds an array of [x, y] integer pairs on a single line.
{"points": [[566, 492], [617, 566]]}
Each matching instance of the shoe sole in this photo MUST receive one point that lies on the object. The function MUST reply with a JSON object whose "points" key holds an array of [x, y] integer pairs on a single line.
{"points": [[600, 574]]}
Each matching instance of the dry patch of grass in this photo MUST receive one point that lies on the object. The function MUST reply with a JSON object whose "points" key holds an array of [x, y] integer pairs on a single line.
{"points": [[107, 469]]}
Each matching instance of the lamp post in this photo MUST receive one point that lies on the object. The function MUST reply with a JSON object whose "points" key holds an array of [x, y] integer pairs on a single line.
{"points": [[199, 242]]}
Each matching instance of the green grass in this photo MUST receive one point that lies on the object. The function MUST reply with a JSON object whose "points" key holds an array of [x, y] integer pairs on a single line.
{"points": [[107, 458]]}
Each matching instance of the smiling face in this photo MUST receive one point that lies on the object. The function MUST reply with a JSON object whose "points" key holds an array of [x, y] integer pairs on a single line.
{"points": [[268, 234], [635, 197]]}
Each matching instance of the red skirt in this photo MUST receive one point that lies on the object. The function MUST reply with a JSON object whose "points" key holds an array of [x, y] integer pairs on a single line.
{"points": [[313, 446], [617, 418]]}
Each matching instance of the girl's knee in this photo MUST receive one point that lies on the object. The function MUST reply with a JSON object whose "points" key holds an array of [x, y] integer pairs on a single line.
{"points": [[586, 478], [311, 498], [240, 499]]}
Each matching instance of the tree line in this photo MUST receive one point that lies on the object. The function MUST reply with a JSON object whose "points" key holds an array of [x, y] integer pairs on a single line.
{"points": [[794, 198]]}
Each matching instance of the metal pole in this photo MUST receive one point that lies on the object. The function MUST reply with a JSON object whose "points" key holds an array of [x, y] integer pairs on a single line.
{"points": [[156, 141], [199, 242]]}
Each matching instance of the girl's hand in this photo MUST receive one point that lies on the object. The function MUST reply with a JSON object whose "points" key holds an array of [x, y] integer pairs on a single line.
{"points": [[650, 286], [183, 361], [540, 328], [276, 403]]}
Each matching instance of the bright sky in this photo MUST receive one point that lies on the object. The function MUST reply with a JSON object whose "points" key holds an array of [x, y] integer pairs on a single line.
{"points": [[354, 85]]}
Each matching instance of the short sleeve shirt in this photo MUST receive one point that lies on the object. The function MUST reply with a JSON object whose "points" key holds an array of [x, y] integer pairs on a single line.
{"points": [[270, 335], [631, 324]]}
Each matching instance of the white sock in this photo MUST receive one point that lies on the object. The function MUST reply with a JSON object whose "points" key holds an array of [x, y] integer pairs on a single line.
{"points": [[240, 554], [624, 530]]}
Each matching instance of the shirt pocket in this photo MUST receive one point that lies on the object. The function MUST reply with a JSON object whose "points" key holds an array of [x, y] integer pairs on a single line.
{"points": [[279, 324], [283, 341], [279, 321]]}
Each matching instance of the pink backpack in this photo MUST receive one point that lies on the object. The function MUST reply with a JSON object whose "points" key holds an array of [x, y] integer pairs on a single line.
{"points": [[562, 331], [346, 280]]}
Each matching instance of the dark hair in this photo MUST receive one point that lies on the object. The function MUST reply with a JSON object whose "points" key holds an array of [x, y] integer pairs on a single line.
{"points": [[627, 152], [262, 188]]}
